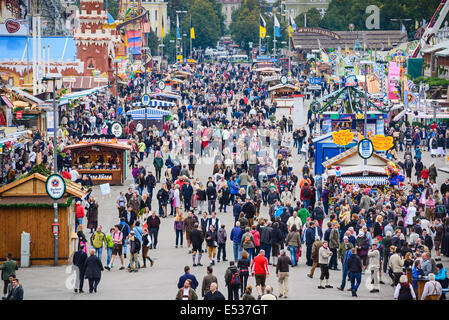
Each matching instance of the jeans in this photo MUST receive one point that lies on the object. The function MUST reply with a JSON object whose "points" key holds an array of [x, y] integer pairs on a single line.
{"points": [[221, 247], [211, 206], [150, 194], [233, 293], [250, 253], [237, 251], [153, 234], [244, 280], [222, 206], [179, 233], [161, 210], [345, 275], [309, 254], [355, 277], [109, 252], [140, 190], [98, 252], [306, 203], [187, 204], [326, 207], [78, 222], [293, 252]]}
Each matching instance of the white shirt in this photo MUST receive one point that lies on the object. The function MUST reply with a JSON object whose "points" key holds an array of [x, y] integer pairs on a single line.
{"points": [[139, 127], [185, 294]]}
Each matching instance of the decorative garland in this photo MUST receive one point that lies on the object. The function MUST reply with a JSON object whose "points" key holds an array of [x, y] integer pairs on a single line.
{"points": [[37, 205]]}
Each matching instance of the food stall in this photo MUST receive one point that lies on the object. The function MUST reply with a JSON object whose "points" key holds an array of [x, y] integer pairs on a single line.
{"points": [[104, 159]]}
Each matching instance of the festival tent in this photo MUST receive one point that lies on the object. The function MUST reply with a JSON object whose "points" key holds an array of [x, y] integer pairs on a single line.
{"points": [[155, 103], [152, 114]]}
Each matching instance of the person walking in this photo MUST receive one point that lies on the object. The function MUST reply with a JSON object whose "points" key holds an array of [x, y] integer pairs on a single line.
{"points": [[282, 272], [79, 260], [233, 281], [293, 242], [248, 243], [211, 241], [97, 240], [374, 266], [208, 279], [92, 214], [221, 241], [8, 268], [236, 238], [146, 244], [334, 243], [259, 269], [179, 228], [187, 276], [158, 163], [355, 271], [315, 255], [197, 238], [117, 248], [153, 223], [162, 197], [134, 249], [93, 268], [79, 209], [344, 251], [244, 264], [323, 260]]}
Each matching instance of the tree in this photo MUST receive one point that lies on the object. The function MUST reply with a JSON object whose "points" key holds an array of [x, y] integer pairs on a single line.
{"points": [[153, 42], [313, 18], [244, 26], [112, 6]]}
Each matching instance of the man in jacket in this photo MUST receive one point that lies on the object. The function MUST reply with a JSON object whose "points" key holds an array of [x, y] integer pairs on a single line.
{"points": [[233, 286], [130, 216], [196, 237], [306, 195], [259, 269], [250, 210], [282, 272], [276, 240], [374, 265], [97, 240], [248, 243], [310, 239], [212, 243], [134, 249], [153, 223], [334, 242], [208, 279], [16, 292], [8, 268], [396, 263], [317, 244], [150, 181], [189, 225], [265, 240], [426, 264], [323, 260], [186, 292], [213, 293], [211, 193], [79, 259], [187, 192], [237, 209], [355, 271], [187, 276], [344, 251], [244, 180], [221, 240], [236, 237]]}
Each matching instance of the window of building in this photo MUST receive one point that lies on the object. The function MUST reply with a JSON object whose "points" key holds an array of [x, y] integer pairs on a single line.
{"points": [[155, 15]]}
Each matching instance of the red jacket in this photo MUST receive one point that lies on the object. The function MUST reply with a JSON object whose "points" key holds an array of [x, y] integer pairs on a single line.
{"points": [[260, 265], [302, 196], [79, 211]]}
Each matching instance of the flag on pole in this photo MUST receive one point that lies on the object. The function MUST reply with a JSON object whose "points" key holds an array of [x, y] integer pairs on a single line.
{"points": [[192, 29], [291, 27], [262, 28], [277, 28], [178, 33], [163, 28]]}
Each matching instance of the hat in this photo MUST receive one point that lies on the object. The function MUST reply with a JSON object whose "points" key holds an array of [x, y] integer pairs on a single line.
{"points": [[345, 238], [361, 234]]}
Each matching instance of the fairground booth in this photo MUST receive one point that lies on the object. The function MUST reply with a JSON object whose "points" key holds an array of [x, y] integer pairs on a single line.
{"points": [[153, 116], [27, 221], [102, 158]]}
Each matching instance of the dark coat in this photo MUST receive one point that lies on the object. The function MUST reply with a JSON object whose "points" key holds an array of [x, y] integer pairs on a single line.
{"points": [[93, 268], [92, 215], [79, 260], [249, 209], [225, 195], [354, 264], [217, 295]]}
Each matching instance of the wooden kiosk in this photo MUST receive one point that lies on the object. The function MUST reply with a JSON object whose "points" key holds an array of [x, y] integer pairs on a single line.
{"points": [[26, 207], [104, 162]]}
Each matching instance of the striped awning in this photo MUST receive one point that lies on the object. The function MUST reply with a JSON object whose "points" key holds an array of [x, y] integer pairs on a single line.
{"points": [[155, 103], [371, 181], [152, 114]]}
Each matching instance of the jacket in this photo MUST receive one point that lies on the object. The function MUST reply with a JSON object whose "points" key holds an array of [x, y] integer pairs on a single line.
{"points": [[374, 259], [8, 268], [79, 260], [316, 250], [207, 280], [97, 239], [342, 248], [396, 263], [334, 239], [247, 245], [256, 236], [249, 209], [282, 264], [236, 210], [93, 268], [79, 211], [153, 222], [221, 236], [15, 293], [192, 294], [234, 187], [184, 277], [354, 264], [260, 265], [236, 235], [324, 255], [134, 245], [265, 234], [196, 237], [228, 274], [217, 295], [293, 239], [276, 236], [211, 238]]}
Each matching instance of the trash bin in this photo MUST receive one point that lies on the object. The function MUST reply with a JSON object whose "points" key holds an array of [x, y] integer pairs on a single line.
{"points": [[25, 250]]}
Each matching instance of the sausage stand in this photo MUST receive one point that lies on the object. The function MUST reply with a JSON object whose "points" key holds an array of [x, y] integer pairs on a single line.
{"points": [[105, 161]]}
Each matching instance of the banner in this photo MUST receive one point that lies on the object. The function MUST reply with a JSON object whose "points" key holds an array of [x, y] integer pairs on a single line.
{"points": [[393, 80]]}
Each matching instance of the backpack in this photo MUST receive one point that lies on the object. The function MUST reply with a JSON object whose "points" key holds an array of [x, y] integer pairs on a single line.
{"points": [[306, 193], [247, 240], [235, 279]]}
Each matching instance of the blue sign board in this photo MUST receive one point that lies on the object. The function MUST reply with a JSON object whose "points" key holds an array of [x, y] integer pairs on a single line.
{"points": [[315, 81]]}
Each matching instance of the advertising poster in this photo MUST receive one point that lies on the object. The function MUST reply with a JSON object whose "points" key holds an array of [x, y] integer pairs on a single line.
{"points": [[393, 80]]}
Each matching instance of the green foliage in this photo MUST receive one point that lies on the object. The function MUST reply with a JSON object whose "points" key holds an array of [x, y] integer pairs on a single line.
{"points": [[313, 18], [39, 168], [153, 42], [245, 24], [207, 22], [432, 81]]}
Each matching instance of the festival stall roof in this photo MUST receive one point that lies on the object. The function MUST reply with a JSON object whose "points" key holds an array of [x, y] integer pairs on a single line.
{"points": [[72, 96], [356, 170], [152, 114], [120, 146], [440, 46], [351, 158], [283, 86], [166, 95], [268, 70], [83, 82], [155, 103], [24, 95], [307, 39], [442, 53]]}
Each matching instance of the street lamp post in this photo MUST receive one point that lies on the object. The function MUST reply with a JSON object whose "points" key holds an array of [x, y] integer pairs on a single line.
{"points": [[55, 77], [181, 13], [144, 51], [116, 85], [365, 125]]}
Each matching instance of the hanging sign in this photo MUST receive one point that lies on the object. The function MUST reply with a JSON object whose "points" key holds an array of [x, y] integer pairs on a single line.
{"points": [[283, 80], [161, 85], [382, 143], [343, 137], [117, 129], [365, 148], [55, 186], [145, 99]]}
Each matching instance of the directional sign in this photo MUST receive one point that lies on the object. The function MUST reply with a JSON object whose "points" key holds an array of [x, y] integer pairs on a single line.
{"points": [[315, 81], [145, 99]]}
